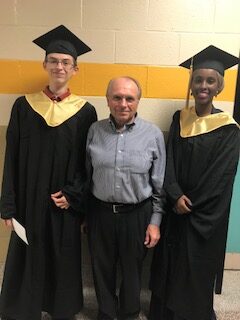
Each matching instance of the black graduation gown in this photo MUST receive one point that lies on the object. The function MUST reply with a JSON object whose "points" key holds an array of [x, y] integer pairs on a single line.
{"points": [[192, 247], [40, 160]]}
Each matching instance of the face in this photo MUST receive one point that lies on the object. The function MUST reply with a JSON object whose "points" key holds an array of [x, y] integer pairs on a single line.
{"points": [[123, 99], [60, 68], [204, 86]]}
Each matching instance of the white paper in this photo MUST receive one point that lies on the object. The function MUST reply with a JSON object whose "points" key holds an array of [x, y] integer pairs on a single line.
{"points": [[20, 230]]}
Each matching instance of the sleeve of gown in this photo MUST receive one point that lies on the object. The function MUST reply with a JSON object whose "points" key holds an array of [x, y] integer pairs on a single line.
{"points": [[212, 195], [88, 165], [76, 192], [10, 171], [171, 185]]}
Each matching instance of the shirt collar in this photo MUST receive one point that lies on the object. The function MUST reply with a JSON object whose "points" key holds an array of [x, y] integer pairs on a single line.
{"points": [[127, 126], [53, 97]]}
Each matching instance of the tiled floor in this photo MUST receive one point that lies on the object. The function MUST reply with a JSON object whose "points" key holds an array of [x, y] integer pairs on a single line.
{"points": [[227, 305]]}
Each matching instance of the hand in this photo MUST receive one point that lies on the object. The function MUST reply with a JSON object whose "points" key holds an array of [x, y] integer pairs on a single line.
{"points": [[183, 205], [84, 227], [152, 235], [60, 200], [8, 223]]}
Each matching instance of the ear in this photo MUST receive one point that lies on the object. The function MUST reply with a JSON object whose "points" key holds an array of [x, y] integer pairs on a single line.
{"points": [[44, 65], [75, 70], [107, 100]]}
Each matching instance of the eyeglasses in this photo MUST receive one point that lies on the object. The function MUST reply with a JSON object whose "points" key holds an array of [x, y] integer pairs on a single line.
{"points": [[66, 63]]}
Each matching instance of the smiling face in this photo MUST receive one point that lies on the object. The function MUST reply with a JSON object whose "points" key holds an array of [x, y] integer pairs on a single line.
{"points": [[123, 97], [205, 85], [60, 68]]}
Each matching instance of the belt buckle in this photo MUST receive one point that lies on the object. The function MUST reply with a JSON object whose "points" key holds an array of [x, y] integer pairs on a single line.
{"points": [[115, 208]]}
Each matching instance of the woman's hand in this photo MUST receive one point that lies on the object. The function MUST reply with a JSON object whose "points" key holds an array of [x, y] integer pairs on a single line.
{"points": [[183, 205]]}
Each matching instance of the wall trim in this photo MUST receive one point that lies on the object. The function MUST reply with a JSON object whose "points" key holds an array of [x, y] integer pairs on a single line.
{"points": [[232, 261]]}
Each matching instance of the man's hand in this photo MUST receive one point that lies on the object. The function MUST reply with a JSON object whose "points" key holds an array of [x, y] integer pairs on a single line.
{"points": [[60, 200], [152, 235], [183, 205]]}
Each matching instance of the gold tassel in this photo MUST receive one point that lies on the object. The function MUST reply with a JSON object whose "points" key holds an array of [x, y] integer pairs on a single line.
{"points": [[189, 84]]}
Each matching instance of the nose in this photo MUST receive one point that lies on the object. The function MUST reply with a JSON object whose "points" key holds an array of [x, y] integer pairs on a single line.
{"points": [[124, 102], [59, 64], [203, 84]]}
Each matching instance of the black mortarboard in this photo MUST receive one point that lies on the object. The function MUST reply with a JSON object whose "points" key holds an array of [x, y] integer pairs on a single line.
{"points": [[211, 58], [62, 40]]}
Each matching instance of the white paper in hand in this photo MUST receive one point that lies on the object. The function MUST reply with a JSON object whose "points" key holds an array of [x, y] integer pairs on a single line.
{"points": [[20, 230]]}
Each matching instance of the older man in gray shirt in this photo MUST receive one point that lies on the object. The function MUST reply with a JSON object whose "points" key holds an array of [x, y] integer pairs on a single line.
{"points": [[126, 163]]}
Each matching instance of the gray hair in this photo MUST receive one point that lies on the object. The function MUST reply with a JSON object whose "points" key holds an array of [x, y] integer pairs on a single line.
{"points": [[109, 87]]}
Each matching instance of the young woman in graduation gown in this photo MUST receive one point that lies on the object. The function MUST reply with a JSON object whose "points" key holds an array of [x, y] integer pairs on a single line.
{"points": [[202, 157]]}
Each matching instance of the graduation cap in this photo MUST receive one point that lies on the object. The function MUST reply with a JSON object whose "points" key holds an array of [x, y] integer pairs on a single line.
{"points": [[211, 58], [62, 40]]}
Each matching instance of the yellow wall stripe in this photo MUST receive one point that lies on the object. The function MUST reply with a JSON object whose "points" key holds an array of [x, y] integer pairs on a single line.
{"points": [[157, 82]]}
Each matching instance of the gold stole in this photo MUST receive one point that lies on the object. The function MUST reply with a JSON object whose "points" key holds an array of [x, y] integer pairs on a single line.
{"points": [[192, 125], [55, 112]]}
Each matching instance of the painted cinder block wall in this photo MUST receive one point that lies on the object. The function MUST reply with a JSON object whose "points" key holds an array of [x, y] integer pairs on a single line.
{"points": [[146, 39]]}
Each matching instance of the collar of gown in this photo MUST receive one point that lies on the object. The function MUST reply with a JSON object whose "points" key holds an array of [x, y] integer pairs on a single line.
{"points": [[192, 125], [52, 111]]}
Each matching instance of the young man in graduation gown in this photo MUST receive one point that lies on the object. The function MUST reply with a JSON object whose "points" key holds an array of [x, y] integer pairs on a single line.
{"points": [[43, 189], [202, 156]]}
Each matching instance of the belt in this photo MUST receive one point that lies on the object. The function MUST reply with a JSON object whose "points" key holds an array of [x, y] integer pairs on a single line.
{"points": [[121, 207]]}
